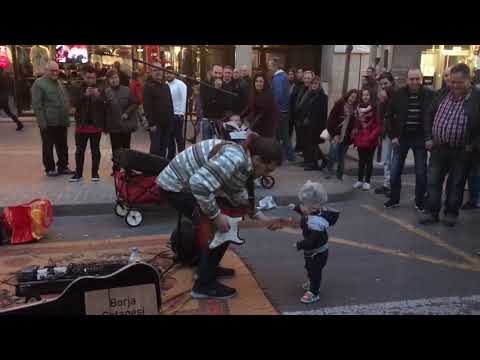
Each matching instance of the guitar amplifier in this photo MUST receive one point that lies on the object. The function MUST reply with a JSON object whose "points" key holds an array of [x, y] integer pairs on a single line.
{"points": [[34, 281]]}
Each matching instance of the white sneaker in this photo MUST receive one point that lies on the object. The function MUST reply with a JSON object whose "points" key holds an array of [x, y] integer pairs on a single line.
{"points": [[366, 186], [357, 185]]}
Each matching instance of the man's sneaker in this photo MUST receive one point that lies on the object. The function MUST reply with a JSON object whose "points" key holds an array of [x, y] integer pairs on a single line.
{"points": [[52, 173], [213, 291], [66, 171], [449, 220], [357, 185], [382, 190], [19, 126], [428, 219], [309, 298], [95, 177], [420, 208], [366, 186], [469, 205], [390, 204], [75, 178]]}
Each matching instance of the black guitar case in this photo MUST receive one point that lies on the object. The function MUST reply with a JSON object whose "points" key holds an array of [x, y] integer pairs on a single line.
{"points": [[72, 301]]}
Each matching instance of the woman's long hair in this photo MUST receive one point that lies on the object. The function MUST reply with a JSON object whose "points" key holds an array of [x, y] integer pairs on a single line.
{"points": [[253, 91], [343, 100]]}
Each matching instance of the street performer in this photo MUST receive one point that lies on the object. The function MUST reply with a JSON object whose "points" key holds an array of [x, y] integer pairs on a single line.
{"points": [[205, 177]]}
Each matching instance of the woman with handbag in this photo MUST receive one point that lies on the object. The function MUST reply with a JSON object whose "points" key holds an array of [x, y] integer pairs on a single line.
{"points": [[366, 137], [121, 112]]}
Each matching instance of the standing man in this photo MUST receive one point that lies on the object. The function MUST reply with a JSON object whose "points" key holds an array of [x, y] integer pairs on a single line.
{"points": [[245, 75], [229, 85], [124, 78], [387, 84], [404, 123], [209, 96], [178, 90], [158, 107], [299, 97], [90, 121], [5, 90], [452, 133], [51, 106], [281, 93]]}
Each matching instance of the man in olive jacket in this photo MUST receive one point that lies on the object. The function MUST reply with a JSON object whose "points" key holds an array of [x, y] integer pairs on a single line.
{"points": [[51, 106]]}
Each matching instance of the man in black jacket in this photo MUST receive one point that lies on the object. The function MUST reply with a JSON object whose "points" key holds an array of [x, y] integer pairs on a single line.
{"points": [[404, 124], [5, 88], [452, 134], [90, 121], [213, 102], [158, 107]]}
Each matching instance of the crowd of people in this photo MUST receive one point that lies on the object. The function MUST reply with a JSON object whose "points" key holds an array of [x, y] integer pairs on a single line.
{"points": [[292, 107]]}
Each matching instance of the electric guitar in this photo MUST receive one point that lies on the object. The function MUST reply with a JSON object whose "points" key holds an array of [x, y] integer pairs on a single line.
{"points": [[207, 233]]}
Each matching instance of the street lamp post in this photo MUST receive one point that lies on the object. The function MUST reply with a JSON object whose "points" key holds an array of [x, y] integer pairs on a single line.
{"points": [[347, 68]]}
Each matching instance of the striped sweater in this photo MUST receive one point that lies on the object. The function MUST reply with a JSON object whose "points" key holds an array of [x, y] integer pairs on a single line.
{"points": [[225, 175]]}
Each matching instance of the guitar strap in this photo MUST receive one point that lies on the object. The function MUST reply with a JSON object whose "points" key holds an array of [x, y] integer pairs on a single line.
{"points": [[250, 181]]}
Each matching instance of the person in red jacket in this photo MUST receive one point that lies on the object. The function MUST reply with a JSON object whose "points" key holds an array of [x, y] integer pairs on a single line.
{"points": [[366, 137]]}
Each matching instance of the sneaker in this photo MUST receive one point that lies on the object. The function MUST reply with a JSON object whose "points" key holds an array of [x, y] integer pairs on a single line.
{"points": [[357, 185], [66, 171], [19, 126], [213, 291], [382, 190], [95, 177], [52, 173], [75, 178], [390, 204], [309, 298], [469, 205], [428, 219], [420, 208], [366, 186], [449, 220]]}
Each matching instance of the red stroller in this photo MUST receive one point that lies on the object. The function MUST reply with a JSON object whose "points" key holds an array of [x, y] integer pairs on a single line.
{"points": [[135, 175]]}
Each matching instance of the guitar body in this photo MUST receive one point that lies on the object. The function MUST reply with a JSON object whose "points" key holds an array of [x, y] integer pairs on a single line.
{"points": [[120, 293], [205, 228]]}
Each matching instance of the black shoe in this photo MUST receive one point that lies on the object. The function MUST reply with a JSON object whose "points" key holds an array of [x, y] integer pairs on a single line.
{"points": [[75, 178], [66, 171], [323, 165], [420, 208], [52, 173], [95, 177], [428, 219], [450, 220], [469, 205], [382, 190], [311, 168], [225, 272], [213, 291], [19, 126], [390, 204]]}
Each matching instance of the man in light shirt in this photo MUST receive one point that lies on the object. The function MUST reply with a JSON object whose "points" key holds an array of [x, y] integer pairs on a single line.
{"points": [[178, 89]]}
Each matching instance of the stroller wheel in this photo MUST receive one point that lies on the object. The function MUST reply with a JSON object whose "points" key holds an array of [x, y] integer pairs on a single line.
{"points": [[134, 218], [120, 210], [267, 182]]}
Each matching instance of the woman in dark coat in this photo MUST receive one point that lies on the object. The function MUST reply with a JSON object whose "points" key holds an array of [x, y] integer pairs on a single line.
{"points": [[340, 124], [262, 114], [314, 113]]}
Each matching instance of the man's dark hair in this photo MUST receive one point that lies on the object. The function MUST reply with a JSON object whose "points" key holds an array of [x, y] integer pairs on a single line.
{"points": [[268, 149], [387, 75], [372, 68], [89, 69], [461, 68], [228, 67], [292, 69], [169, 67], [213, 65]]}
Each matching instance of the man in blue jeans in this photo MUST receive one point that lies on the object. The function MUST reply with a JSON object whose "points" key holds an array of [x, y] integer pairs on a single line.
{"points": [[452, 134], [404, 124], [281, 93]]}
